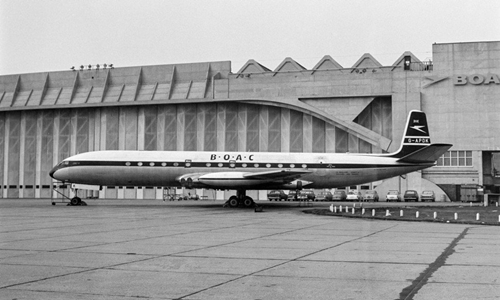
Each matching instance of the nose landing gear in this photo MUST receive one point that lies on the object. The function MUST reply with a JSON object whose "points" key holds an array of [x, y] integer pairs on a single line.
{"points": [[77, 201]]}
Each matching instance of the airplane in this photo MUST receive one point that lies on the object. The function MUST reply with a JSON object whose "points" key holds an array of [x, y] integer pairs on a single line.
{"points": [[242, 171]]}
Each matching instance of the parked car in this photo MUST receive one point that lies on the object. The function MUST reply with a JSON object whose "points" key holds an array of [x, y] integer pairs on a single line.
{"points": [[277, 196], [192, 197], [393, 195], [410, 195], [371, 195], [291, 195], [428, 196], [307, 195], [324, 196], [339, 196], [354, 196]]}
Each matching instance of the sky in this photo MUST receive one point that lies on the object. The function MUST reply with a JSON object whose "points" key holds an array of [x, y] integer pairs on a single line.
{"points": [[54, 35]]}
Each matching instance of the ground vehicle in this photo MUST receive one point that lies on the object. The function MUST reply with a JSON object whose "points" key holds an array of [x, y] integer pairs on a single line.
{"points": [[277, 195], [324, 196], [393, 195], [292, 194], [307, 195], [339, 196], [354, 196], [410, 195], [428, 196], [371, 195]]}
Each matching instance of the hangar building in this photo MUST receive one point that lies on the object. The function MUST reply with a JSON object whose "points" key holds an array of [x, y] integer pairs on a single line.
{"points": [[46, 117]]}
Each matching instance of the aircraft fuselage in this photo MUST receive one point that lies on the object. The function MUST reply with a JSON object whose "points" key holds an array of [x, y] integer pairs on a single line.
{"points": [[228, 170]]}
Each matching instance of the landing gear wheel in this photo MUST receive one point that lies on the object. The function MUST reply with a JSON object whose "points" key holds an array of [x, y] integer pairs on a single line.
{"points": [[248, 202], [76, 201], [233, 201]]}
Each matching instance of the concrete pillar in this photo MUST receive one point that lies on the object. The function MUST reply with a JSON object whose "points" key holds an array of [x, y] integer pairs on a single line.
{"points": [[242, 127], [264, 129], [22, 144], [181, 121], [55, 144], [6, 156], [285, 130], [38, 155], [329, 138], [160, 132], [200, 126], [307, 136], [102, 129], [74, 131], [141, 129], [221, 126]]}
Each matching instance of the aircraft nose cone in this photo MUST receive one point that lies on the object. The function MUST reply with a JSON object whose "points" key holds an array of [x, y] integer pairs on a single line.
{"points": [[52, 172], [58, 172]]}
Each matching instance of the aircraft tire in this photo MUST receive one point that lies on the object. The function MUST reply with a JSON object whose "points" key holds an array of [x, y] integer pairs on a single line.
{"points": [[75, 201], [233, 201], [248, 202]]}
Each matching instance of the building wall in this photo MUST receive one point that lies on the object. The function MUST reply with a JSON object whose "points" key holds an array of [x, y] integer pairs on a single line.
{"points": [[463, 105]]}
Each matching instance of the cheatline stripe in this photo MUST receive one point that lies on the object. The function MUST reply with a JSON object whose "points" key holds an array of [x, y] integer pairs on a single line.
{"points": [[262, 165]]}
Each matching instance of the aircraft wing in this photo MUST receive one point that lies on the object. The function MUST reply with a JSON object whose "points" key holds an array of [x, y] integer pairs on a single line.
{"points": [[240, 179], [277, 174]]}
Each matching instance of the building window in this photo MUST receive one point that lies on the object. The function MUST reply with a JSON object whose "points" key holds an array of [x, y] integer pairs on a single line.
{"points": [[456, 159]]}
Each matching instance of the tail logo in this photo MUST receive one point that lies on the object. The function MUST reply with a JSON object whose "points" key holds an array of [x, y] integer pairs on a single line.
{"points": [[418, 128]]}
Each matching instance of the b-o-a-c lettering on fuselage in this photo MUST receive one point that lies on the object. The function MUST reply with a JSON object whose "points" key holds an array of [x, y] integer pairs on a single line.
{"points": [[235, 157]]}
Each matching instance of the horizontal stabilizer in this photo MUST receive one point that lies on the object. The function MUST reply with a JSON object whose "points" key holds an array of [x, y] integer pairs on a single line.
{"points": [[427, 154]]}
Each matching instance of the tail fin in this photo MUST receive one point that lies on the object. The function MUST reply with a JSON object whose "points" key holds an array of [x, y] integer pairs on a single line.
{"points": [[416, 144]]}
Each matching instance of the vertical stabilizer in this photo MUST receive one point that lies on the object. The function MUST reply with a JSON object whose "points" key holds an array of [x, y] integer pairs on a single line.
{"points": [[416, 134]]}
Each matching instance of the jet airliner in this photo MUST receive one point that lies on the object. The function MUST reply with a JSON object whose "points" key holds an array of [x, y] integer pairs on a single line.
{"points": [[242, 171]]}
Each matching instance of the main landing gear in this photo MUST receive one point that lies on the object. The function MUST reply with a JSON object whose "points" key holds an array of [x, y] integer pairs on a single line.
{"points": [[241, 199]]}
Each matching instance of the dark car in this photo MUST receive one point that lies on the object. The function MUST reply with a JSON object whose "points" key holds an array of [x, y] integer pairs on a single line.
{"points": [[306, 195], [371, 196], [428, 196], [324, 196], [277, 196], [410, 195], [339, 196]]}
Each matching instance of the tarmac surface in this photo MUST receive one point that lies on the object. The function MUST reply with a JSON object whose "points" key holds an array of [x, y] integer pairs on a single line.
{"points": [[150, 249]]}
